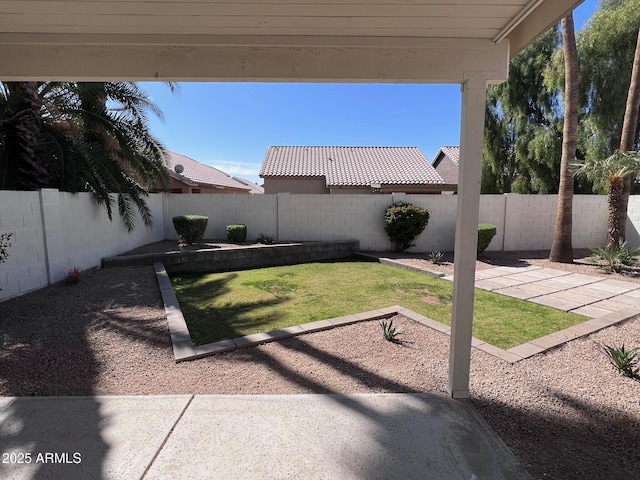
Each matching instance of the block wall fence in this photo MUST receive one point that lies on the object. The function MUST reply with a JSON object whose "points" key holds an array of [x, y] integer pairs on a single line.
{"points": [[55, 231]]}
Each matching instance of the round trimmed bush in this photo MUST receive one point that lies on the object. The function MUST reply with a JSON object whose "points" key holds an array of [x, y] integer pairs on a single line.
{"points": [[236, 233], [190, 228], [486, 232], [404, 222]]}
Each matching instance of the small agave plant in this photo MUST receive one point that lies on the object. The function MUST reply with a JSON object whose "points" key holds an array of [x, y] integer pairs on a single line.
{"points": [[623, 359], [436, 257], [389, 332]]}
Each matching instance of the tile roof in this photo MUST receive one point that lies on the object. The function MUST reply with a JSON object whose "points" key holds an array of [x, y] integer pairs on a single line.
{"points": [[355, 166], [453, 152], [198, 174], [255, 188]]}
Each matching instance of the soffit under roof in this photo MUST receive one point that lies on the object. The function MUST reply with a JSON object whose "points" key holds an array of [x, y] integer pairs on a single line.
{"points": [[188, 26]]}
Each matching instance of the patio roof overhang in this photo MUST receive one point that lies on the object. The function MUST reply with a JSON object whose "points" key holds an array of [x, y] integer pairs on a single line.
{"points": [[467, 42]]}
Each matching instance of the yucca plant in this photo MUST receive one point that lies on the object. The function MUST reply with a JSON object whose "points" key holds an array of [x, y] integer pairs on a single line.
{"points": [[436, 257], [616, 257], [389, 332], [623, 359], [265, 239]]}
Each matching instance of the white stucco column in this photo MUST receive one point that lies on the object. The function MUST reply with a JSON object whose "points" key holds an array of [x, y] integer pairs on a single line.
{"points": [[470, 169]]}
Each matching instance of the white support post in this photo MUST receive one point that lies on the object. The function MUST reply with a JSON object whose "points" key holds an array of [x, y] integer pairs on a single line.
{"points": [[470, 169]]}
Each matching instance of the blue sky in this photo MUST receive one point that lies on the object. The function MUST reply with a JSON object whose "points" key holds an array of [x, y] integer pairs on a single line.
{"points": [[231, 125]]}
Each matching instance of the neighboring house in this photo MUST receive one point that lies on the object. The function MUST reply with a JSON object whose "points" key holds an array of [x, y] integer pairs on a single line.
{"points": [[189, 176], [348, 170], [446, 164], [255, 188]]}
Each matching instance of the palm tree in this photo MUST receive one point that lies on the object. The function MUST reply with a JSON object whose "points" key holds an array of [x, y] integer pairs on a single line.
{"points": [[630, 127], [94, 137], [613, 171], [562, 249], [20, 129]]}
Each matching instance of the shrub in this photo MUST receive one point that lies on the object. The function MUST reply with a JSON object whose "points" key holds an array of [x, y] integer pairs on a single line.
{"points": [[615, 258], [486, 232], [72, 276], [4, 246], [190, 228], [265, 239], [403, 223], [236, 233]]}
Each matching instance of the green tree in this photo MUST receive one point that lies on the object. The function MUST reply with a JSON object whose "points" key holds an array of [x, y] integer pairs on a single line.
{"points": [[629, 138], [77, 137], [606, 48], [561, 248], [522, 145]]}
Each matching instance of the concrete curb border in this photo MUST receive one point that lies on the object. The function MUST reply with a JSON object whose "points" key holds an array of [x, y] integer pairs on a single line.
{"points": [[184, 349]]}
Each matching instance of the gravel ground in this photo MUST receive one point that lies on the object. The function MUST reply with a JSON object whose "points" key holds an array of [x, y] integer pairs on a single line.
{"points": [[566, 414]]}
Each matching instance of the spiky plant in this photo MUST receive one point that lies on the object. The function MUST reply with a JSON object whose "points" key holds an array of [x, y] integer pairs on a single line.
{"points": [[616, 257], [389, 332], [623, 359]]}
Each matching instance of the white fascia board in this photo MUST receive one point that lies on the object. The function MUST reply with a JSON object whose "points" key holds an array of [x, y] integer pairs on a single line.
{"points": [[404, 60]]}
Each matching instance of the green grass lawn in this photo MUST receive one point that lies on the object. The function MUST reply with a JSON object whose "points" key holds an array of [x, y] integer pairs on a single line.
{"points": [[227, 305]]}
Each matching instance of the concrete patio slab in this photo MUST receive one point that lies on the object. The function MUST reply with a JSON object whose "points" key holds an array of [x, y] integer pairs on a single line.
{"points": [[554, 285], [489, 284], [629, 300], [612, 304], [614, 286], [521, 292], [521, 277], [507, 281], [574, 296], [577, 279], [109, 438], [542, 273], [540, 288], [593, 291], [591, 311], [633, 293], [516, 269], [333, 436], [555, 302]]}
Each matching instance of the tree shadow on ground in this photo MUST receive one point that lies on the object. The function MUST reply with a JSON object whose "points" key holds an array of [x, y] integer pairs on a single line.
{"points": [[533, 438], [424, 434], [46, 350], [213, 322]]}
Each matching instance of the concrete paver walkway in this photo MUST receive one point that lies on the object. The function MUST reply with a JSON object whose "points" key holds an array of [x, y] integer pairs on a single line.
{"points": [[586, 295], [369, 437]]}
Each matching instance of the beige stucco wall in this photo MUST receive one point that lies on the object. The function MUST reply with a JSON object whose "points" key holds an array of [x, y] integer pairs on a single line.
{"points": [[448, 171], [176, 186], [295, 185]]}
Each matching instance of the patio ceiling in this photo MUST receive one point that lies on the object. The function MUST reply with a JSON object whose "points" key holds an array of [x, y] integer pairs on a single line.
{"points": [[279, 40]]}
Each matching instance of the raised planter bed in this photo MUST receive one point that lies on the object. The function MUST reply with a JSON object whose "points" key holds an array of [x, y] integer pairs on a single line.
{"points": [[238, 258]]}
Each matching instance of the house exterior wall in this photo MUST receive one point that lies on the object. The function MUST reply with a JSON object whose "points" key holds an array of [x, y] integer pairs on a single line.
{"points": [[55, 231], [176, 186], [302, 185], [448, 170]]}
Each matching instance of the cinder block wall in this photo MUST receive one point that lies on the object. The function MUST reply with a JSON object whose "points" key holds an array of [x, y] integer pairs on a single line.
{"points": [[73, 232], [55, 231], [530, 221], [25, 269], [258, 212]]}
